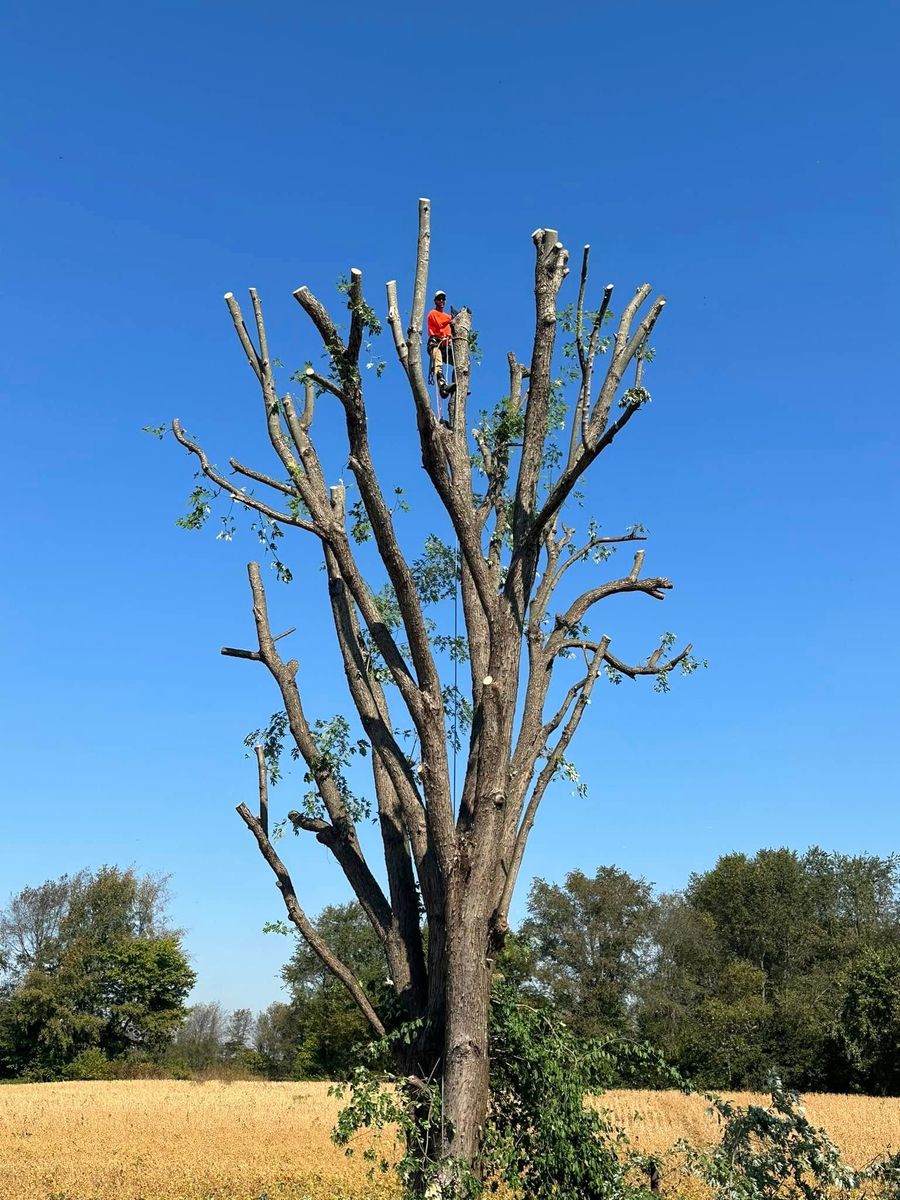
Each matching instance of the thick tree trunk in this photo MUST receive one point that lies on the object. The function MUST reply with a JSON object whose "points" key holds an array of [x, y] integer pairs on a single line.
{"points": [[465, 1100]]}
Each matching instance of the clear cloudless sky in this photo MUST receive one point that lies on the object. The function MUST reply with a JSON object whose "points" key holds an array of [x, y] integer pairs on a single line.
{"points": [[743, 158]]}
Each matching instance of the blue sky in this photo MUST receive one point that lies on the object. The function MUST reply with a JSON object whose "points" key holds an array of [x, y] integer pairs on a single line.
{"points": [[741, 158]]}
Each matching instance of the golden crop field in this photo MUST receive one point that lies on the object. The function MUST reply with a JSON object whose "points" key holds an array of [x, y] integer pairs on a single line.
{"points": [[150, 1140]]}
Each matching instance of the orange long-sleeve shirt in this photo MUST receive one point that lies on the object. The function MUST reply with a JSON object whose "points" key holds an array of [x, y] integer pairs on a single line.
{"points": [[439, 324]]}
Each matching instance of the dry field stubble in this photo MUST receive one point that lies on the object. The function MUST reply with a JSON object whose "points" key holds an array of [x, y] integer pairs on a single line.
{"points": [[169, 1140], [213, 1141]]}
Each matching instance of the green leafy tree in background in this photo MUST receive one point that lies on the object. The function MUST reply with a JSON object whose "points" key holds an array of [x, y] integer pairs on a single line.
{"points": [[752, 963], [276, 1039], [773, 962], [684, 967], [92, 969], [868, 1029], [198, 1042], [589, 938], [605, 956]]}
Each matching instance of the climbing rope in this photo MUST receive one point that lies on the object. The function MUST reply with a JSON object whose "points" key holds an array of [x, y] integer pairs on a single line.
{"points": [[449, 378]]}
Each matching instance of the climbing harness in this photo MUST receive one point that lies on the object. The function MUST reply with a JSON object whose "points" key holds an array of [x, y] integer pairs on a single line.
{"points": [[444, 379]]}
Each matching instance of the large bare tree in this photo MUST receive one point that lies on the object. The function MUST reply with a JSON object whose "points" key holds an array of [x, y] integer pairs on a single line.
{"points": [[450, 863]]}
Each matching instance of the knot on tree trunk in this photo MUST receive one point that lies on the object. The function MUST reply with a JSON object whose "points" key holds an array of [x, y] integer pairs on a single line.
{"points": [[467, 1048]]}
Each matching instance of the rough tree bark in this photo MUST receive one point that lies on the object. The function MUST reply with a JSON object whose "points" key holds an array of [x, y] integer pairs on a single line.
{"points": [[514, 554]]}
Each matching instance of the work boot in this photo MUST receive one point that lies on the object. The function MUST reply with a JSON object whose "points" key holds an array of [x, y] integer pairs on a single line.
{"points": [[446, 389]]}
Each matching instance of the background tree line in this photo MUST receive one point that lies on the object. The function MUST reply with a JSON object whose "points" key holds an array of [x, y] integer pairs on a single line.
{"points": [[779, 961]]}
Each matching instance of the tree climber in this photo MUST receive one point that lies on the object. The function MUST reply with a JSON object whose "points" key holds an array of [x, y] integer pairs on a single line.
{"points": [[439, 344]]}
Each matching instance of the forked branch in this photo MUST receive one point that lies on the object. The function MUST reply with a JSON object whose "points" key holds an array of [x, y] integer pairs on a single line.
{"points": [[241, 496], [581, 694]]}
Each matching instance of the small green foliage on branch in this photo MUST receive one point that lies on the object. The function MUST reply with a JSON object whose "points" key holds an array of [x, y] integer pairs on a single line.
{"points": [[370, 320], [568, 321], [634, 397], [199, 507], [271, 738], [410, 1107], [335, 748], [436, 571]]}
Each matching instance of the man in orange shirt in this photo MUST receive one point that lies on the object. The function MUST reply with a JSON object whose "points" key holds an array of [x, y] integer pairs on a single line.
{"points": [[439, 344]]}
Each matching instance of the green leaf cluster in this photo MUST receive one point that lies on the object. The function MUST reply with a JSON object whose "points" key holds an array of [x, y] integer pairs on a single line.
{"points": [[335, 748], [544, 1140], [773, 1150]]}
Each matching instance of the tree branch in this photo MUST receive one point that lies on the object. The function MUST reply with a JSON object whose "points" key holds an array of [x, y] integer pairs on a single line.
{"points": [[595, 438], [651, 667], [429, 714], [654, 587], [320, 317], [345, 845], [311, 486], [243, 336], [393, 317], [549, 770], [371, 704], [232, 652], [579, 432], [579, 308], [354, 342], [401, 816], [438, 450], [420, 287], [276, 484], [237, 493], [592, 544], [304, 926], [550, 270], [325, 384], [263, 781], [625, 349], [299, 426]]}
